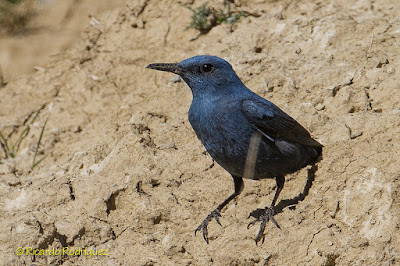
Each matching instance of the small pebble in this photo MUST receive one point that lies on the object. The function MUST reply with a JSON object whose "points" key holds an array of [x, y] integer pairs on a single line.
{"points": [[320, 106], [175, 79], [40, 69]]}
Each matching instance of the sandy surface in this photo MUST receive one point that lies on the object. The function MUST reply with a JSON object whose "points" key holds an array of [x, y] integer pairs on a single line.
{"points": [[125, 173], [54, 26]]}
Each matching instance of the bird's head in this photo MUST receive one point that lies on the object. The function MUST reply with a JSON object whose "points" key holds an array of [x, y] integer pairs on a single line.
{"points": [[203, 73]]}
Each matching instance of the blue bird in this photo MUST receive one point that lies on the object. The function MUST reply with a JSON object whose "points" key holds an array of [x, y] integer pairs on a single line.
{"points": [[244, 133]]}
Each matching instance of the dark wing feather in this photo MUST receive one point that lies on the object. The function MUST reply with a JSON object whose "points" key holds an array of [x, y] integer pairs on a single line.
{"points": [[272, 121]]}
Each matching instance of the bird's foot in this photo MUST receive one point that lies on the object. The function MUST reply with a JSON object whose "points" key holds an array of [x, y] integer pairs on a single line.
{"points": [[266, 215], [203, 226]]}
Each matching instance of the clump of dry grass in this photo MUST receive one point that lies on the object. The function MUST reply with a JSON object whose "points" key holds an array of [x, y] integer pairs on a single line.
{"points": [[15, 15], [11, 149]]}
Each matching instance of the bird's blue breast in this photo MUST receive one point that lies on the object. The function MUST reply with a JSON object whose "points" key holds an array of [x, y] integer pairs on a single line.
{"points": [[224, 132]]}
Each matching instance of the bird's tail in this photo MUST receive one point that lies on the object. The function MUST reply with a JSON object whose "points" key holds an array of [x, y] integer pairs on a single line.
{"points": [[316, 155]]}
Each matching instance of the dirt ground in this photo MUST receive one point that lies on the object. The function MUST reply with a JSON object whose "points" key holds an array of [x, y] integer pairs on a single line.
{"points": [[53, 26], [124, 173]]}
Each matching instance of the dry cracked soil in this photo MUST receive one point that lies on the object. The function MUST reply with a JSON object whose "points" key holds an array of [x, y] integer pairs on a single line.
{"points": [[121, 171]]}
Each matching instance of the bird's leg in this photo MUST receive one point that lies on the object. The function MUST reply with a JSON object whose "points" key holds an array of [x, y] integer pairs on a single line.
{"points": [[238, 183], [268, 213]]}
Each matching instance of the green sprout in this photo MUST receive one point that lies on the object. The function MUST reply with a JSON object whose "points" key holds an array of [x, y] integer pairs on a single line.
{"points": [[34, 162], [205, 18]]}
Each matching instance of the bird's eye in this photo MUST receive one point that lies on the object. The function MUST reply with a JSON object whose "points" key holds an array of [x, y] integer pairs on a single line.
{"points": [[206, 68]]}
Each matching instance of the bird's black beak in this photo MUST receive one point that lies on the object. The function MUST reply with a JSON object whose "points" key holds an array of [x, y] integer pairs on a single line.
{"points": [[168, 67]]}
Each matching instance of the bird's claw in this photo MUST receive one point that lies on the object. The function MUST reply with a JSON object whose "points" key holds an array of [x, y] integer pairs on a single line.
{"points": [[203, 226], [266, 215]]}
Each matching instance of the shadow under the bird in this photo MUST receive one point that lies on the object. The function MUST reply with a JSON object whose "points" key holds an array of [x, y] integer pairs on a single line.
{"points": [[293, 201]]}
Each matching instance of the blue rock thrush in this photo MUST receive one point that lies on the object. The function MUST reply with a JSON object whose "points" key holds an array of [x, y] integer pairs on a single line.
{"points": [[247, 135]]}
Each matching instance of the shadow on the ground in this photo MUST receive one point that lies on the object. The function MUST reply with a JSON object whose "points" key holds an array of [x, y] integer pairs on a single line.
{"points": [[293, 201]]}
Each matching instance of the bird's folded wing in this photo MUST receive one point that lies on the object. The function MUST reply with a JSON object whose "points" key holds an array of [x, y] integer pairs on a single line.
{"points": [[273, 122]]}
